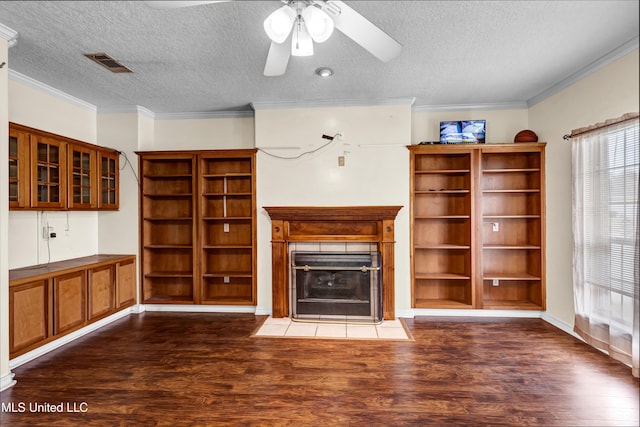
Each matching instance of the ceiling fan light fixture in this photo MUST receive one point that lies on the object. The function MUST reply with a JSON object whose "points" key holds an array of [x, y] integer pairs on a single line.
{"points": [[301, 42], [318, 23], [278, 25]]}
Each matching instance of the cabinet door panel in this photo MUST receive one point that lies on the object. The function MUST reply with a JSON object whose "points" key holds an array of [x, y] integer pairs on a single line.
{"points": [[69, 298], [48, 179], [126, 283], [108, 180], [101, 291], [82, 177], [29, 315], [18, 169]]}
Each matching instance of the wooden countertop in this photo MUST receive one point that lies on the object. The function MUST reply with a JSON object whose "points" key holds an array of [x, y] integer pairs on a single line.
{"points": [[36, 272]]}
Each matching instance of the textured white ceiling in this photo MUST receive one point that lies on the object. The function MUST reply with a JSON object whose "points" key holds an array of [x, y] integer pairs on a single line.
{"points": [[210, 58]]}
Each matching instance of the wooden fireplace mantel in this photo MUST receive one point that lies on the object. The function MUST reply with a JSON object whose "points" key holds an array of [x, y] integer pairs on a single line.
{"points": [[373, 224]]}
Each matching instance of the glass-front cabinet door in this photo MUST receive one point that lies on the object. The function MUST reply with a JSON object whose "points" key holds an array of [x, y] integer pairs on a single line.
{"points": [[48, 157], [108, 177], [18, 169], [82, 177]]}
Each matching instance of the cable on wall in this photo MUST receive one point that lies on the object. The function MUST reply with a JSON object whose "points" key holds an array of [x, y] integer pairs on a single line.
{"points": [[44, 225], [127, 162], [330, 138]]}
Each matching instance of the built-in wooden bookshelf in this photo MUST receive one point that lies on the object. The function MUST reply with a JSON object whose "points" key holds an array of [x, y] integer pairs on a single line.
{"points": [[198, 227], [227, 228], [512, 256], [477, 226], [167, 208]]}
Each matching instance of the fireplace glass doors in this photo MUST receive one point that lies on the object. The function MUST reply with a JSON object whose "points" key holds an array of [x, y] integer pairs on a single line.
{"points": [[331, 286]]}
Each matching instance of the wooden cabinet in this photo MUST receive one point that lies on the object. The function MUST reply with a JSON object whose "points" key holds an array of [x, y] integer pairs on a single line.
{"points": [[198, 227], [102, 291], [51, 300], [29, 315], [52, 172], [19, 178], [69, 301], [125, 282], [48, 173], [82, 177], [477, 226], [108, 180]]}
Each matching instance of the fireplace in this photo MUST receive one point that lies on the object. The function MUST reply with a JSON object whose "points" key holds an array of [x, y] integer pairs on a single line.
{"points": [[292, 225], [336, 286]]}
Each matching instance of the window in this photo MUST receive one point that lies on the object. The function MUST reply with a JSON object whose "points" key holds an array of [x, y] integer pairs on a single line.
{"points": [[606, 175]]}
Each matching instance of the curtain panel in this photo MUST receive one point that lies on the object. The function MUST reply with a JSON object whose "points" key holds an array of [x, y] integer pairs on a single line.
{"points": [[605, 194]]}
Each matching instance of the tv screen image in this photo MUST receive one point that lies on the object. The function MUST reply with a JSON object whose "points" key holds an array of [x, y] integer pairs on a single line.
{"points": [[463, 132]]}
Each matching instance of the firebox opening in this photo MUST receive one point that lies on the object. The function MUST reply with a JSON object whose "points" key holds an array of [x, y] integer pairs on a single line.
{"points": [[332, 286]]}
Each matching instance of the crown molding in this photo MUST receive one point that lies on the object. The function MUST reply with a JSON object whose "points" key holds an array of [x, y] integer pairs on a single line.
{"points": [[617, 53], [462, 107], [28, 81], [11, 36], [127, 109], [375, 102], [205, 115]]}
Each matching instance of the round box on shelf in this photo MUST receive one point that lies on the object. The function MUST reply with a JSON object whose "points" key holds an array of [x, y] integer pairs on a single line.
{"points": [[526, 136]]}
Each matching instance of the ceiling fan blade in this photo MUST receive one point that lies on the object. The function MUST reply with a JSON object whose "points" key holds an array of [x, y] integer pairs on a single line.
{"points": [[177, 4], [278, 58], [361, 30]]}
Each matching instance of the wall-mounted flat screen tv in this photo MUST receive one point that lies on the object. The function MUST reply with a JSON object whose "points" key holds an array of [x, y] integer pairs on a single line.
{"points": [[463, 132]]}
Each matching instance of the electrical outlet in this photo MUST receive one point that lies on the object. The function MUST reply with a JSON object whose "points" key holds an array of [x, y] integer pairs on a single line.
{"points": [[225, 227], [495, 282], [226, 279], [340, 160], [496, 227]]}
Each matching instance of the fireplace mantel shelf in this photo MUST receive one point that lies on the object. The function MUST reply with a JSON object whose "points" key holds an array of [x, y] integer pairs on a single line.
{"points": [[333, 213], [330, 223]]}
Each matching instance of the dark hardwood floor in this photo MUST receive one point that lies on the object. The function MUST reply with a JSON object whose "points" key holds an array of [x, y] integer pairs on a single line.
{"points": [[179, 369]]}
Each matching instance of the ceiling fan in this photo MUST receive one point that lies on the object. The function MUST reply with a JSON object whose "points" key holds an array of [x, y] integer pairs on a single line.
{"points": [[294, 27]]}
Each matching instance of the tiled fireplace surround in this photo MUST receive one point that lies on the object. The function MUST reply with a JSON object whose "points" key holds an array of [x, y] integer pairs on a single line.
{"points": [[330, 228]]}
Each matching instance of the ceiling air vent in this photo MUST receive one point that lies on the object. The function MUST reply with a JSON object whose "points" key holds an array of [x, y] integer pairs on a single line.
{"points": [[108, 62]]}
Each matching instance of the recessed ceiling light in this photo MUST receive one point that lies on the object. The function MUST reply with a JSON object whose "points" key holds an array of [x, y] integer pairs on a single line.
{"points": [[324, 72]]}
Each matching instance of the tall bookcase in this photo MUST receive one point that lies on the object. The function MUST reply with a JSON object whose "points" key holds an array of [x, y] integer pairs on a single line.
{"points": [[512, 255], [167, 208], [198, 227], [477, 226], [442, 232], [227, 228]]}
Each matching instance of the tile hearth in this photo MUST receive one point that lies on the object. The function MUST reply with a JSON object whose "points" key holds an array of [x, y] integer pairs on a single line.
{"points": [[286, 328]]}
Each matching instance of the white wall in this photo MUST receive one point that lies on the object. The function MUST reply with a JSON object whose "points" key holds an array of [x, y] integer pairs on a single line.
{"points": [[201, 134], [608, 93], [118, 230]]}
